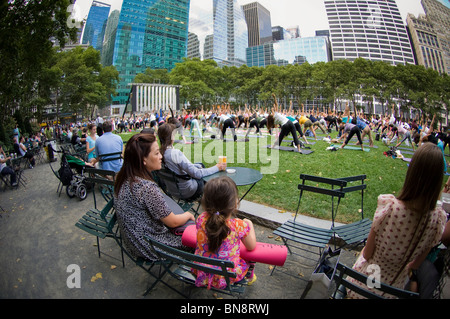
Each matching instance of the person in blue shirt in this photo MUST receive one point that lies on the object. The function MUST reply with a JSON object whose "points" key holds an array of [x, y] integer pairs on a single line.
{"points": [[433, 139], [365, 129], [106, 144], [16, 132]]}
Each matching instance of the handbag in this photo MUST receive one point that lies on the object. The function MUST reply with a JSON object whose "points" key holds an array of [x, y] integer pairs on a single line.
{"points": [[319, 285], [177, 210]]}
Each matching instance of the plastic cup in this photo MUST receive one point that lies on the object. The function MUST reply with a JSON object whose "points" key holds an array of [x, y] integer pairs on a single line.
{"points": [[222, 159]]}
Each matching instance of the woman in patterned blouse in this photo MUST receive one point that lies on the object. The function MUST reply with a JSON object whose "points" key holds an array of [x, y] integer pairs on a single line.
{"points": [[141, 207]]}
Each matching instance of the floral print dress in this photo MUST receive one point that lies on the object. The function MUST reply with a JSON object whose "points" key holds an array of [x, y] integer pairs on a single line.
{"points": [[229, 250]]}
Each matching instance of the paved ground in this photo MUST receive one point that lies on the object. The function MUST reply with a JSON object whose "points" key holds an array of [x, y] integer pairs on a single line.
{"points": [[39, 241]]}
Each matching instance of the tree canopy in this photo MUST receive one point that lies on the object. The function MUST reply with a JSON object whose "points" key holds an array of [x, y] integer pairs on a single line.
{"points": [[27, 29], [324, 84]]}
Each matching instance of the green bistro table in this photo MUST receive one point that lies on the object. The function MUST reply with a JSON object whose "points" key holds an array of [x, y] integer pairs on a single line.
{"points": [[242, 177]]}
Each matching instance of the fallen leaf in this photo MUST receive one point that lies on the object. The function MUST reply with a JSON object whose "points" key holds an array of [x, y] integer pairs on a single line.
{"points": [[97, 276], [301, 274], [281, 211], [113, 267], [270, 236], [270, 267], [278, 238], [288, 171]]}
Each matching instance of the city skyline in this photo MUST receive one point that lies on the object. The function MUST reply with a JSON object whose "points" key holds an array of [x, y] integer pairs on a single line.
{"points": [[289, 13]]}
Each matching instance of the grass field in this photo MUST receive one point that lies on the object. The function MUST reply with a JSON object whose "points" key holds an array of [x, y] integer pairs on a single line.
{"points": [[282, 169]]}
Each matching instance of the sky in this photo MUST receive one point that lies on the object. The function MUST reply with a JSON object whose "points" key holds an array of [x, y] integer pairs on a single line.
{"points": [[307, 14]]}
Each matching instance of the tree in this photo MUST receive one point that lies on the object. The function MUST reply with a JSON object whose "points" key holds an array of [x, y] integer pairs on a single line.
{"points": [[153, 76], [27, 28], [382, 77], [80, 82], [199, 81]]}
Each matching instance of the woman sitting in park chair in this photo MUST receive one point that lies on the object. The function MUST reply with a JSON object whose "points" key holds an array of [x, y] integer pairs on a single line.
{"points": [[142, 209]]}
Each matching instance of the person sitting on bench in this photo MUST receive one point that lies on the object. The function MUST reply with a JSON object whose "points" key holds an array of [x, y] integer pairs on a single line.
{"points": [[191, 185], [5, 169], [142, 209]]}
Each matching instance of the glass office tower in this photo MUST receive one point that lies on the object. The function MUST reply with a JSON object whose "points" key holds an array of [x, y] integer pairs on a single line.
{"points": [[292, 51], [373, 30], [217, 31], [150, 34], [94, 30]]}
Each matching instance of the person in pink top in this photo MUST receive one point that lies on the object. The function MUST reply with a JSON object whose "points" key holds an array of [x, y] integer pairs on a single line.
{"points": [[219, 233]]}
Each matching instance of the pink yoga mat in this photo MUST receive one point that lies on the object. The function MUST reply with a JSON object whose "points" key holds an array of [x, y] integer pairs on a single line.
{"points": [[263, 253]]}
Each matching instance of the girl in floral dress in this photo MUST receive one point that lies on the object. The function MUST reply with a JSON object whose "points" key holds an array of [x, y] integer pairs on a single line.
{"points": [[219, 233]]}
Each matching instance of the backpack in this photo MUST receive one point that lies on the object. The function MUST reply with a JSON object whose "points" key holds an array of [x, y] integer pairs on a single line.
{"points": [[65, 172]]}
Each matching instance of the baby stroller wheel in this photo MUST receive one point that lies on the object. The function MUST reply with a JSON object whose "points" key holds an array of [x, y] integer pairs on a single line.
{"points": [[82, 191], [70, 191]]}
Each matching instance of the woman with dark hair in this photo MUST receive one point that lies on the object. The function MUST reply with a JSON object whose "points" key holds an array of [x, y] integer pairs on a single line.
{"points": [[141, 207], [219, 232], [178, 125], [191, 186], [407, 227]]}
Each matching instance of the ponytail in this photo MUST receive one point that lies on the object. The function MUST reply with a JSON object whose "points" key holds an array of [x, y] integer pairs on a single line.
{"points": [[216, 230], [220, 199]]}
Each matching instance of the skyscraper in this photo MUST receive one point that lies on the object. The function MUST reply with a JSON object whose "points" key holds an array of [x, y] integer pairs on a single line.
{"points": [[217, 31], [439, 15], [291, 51], [150, 34], [94, 29], [110, 38], [427, 47], [373, 30], [259, 24]]}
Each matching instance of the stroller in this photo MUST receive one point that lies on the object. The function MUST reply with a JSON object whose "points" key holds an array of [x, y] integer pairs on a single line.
{"points": [[72, 176]]}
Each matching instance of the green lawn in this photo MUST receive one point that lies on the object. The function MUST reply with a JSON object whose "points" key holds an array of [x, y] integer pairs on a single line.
{"points": [[278, 188]]}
